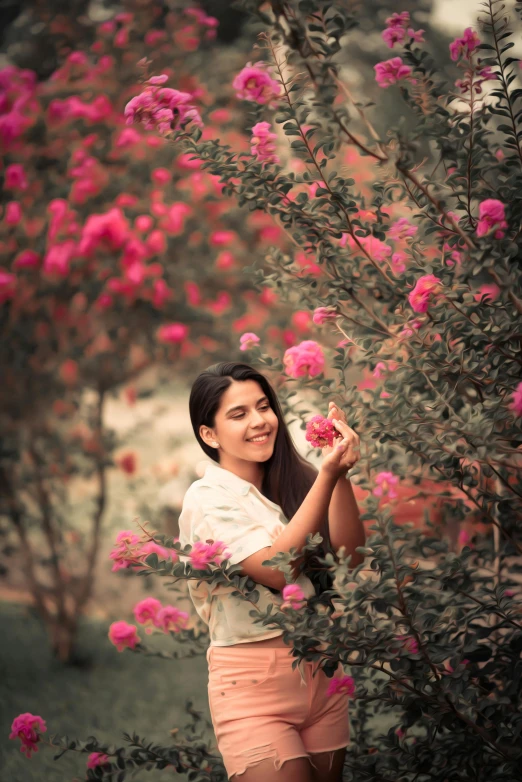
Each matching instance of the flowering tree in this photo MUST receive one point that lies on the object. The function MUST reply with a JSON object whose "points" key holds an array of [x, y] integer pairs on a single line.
{"points": [[112, 260], [420, 273]]}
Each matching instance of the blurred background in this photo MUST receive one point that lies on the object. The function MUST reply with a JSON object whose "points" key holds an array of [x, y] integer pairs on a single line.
{"points": [[123, 273]]}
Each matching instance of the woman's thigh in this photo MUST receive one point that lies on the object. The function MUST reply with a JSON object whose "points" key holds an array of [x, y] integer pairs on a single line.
{"points": [[327, 768], [293, 770]]}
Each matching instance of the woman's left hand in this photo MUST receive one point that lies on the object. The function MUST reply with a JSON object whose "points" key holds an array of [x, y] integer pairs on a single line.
{"points": [[334, 412]]}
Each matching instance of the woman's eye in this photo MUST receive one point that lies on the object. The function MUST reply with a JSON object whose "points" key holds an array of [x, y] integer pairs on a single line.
{"points": [[237, 417]]}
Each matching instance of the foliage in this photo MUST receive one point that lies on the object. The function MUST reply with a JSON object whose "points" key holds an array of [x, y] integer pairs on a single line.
{"points": [[422, 273]]}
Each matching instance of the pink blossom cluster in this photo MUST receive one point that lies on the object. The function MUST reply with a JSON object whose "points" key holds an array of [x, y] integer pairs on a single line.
{"points": [[425, 288], [123, 635], [203, 554], [397, 30], [255, 83], [27, 727], [262, 144], [384, 485], [341, 684], [465, 45], [131, 551], [475, 78], [408, 643], [15, 177], [392, 71], [8, 283], [323, 314], [73, 108], [150, 613], [402, 229], [293, 597], [204, 20], [491, 218], [97, 759], [248, 340], [307, 358], [172, 333], [375, 248], [162, 108], [320, 432], [17, 88]]}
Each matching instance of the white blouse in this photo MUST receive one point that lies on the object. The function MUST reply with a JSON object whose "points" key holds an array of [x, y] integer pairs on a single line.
{"points": [[222, 506]]}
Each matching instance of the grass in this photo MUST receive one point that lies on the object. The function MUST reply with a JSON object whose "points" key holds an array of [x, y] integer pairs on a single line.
{"points": [[114, 692]]}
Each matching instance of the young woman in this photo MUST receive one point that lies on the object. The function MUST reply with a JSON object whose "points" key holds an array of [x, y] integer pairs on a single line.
{"points": [[260, 497]]}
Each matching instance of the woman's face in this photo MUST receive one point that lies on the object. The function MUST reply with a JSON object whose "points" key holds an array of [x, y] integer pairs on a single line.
{"points": [[244, 413]]}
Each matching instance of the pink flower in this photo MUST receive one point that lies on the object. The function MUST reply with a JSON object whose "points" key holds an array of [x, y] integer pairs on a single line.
{"points": [[391, 71], [323, 314], [161, 176], [27, 728], [393, 35], [255, 83], [402, 229], [222, 238], [127, 551], [123, 635], [164, 553], [128, 462], [203, 554], [293, 597], [408, 643], [516, 404], [58, 258], [97, 759], [464, 539], [385, 482], [162, 109], [491, 218], [397, 30], [160, 293], [171, 333], [398, 262], [262, 144], [342, 684], [15, 178], [7, 285], [425, 287], [143, 223], [171, 620], [146, 611], [13, 213], [128, 138], [401, 19], [27, 259], [307, 358], [248, 340], [465, 45], [109, 228], [320, 432], [490, 292]]}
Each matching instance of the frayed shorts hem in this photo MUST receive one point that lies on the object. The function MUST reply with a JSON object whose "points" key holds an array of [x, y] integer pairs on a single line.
{"points": [[278, 763]]}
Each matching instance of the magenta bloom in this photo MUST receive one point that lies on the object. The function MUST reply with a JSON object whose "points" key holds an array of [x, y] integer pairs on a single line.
{"points": [[15, 177], [425, 287], [7, 285], [162, 109], [402, 229], [320, 432], [127, 551], [97, 759], [248, 340], [491, 218], [293, 597], [58, 258], [171, 333], [151, 547], [307, 358], [255, 83], [464, 46], [391, 71], [408, 643], [27, 728], [27, 259], [110, 229], [397, 30], [323, 314], [516, 404], [342, 684], [123, 635], [385, 481], [262, 144], [146, 612], [203, 554], [171, 620]]}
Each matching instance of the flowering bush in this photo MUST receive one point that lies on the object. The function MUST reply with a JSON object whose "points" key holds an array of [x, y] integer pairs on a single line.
{"points": [[431, 630]]}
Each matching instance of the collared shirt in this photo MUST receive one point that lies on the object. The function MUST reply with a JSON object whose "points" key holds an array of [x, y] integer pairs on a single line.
{"points": [[222, 506]]}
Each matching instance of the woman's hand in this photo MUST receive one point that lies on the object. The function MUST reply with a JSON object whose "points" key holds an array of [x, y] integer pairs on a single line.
{"points": [[343, 455]]}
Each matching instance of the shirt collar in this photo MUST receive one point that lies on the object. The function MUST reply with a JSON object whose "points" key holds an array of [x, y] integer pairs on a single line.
{"points": [[219, 475]]}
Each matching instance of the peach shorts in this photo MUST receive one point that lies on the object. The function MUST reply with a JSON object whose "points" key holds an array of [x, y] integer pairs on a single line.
{"points": [[261, 708]]}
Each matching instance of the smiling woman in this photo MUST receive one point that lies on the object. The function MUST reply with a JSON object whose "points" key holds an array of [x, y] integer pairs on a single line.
{"points": [[260, 498]]}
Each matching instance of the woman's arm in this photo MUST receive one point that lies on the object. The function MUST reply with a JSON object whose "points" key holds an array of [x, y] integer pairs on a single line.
{"points": [[344, 524]]}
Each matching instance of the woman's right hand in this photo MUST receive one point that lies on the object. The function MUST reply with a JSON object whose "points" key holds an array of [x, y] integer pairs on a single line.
{"points": [[344, 454]]}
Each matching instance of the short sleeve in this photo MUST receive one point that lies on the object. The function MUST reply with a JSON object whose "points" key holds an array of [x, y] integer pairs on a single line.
{"points": [[222, 517]]}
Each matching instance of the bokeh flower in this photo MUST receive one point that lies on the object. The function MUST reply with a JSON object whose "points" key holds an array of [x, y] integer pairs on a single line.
{"points": [[123, 635], [307, 358], [27, 727]]}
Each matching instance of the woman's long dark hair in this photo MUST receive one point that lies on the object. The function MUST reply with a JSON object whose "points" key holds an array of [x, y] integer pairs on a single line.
{"points": [[288, 477]]}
